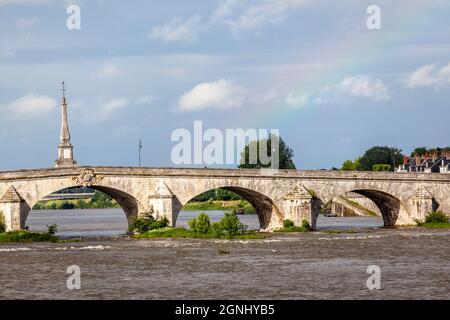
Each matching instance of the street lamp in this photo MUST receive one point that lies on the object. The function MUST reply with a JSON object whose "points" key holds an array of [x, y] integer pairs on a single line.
{"points": [[140, 148]]}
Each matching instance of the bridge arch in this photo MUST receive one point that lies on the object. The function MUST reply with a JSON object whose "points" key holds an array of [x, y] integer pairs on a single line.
{"points": [[266, 210], [389, 204], [129, 204]]}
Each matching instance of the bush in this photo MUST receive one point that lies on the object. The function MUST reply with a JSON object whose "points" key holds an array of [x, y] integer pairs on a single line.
{"points": [[147, 222], [201, 224], [288, 226], [436, 217], [52, 229], [306, 225], [2, 223], [229, 225], [67, 206], [288, 223], [381, 167], [25, 236]]}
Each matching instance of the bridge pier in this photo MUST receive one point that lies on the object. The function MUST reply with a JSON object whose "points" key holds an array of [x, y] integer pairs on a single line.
{"points": [[299, 205], [164, 203], [14, 209], [421, 204]]}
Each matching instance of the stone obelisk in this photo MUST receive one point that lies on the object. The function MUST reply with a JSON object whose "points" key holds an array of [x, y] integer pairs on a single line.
{"points": [[65, 148]]}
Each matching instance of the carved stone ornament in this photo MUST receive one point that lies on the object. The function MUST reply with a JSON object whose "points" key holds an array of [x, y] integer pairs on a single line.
{"points": [[87, 178], [11, 195], [298, 192], [422, 193], [161, 191]]}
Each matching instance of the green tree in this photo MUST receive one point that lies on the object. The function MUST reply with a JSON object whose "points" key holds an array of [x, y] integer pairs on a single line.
{"points": [[350, 165], [229, 225], [201, 224], [381, 155], [147, 222], [382, 167], [285, 157], [419, 151]]}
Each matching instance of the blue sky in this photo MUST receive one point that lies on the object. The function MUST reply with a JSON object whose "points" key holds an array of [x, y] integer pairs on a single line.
{"points": [[141, 69]]}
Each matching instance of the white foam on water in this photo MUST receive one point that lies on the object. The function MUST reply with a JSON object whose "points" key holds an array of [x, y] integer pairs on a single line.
{"points": [[351, 238], [92, 248], [15, 249]]}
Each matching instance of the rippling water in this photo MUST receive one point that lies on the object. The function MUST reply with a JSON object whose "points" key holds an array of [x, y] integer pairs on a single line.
{"points": [[107, 222], [414, 263], [112, 222]]}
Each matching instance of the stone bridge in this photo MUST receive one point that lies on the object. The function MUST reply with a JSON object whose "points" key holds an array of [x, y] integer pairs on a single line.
{"points": [[284, 194]]}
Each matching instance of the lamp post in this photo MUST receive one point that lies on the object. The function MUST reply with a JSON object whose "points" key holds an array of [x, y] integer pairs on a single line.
{"points": [[140, 148]]}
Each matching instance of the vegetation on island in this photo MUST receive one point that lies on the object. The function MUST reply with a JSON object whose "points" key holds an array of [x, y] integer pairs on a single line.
{"points": [[226, 205], [288, 226], [27, 236], [229, 227], [435, 219]]}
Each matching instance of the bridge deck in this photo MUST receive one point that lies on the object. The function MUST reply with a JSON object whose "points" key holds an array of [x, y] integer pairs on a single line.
{"points": [[224, 173]]}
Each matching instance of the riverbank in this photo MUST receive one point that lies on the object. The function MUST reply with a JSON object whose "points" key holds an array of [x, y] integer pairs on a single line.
{"points": [[229, 205], [26, 236], [209, 205]]}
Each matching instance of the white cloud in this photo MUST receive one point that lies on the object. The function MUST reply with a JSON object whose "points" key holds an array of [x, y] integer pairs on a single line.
{"points": [[238, 15], [258, 16], [23, 22], [105, 72], [224, 9], [31, 106], [429, 76], [113, 105], [361, 86], [298, 98], [221, 94], [100, 109], [178, 30], [12, 2]]}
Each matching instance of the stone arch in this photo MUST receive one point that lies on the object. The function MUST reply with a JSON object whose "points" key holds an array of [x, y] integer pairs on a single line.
{"points": [[129, 204], [268, 213], [391, 206]]}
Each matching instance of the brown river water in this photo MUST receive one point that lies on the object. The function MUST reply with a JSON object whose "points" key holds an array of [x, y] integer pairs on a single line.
{"points": [[414, 262]]}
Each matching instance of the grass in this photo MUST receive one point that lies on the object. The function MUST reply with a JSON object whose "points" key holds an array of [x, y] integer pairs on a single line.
{"points": [[26, 236], [293, 229], [220, 205], [288, 226], [184, 233], [435, 219], [436, 225]]}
